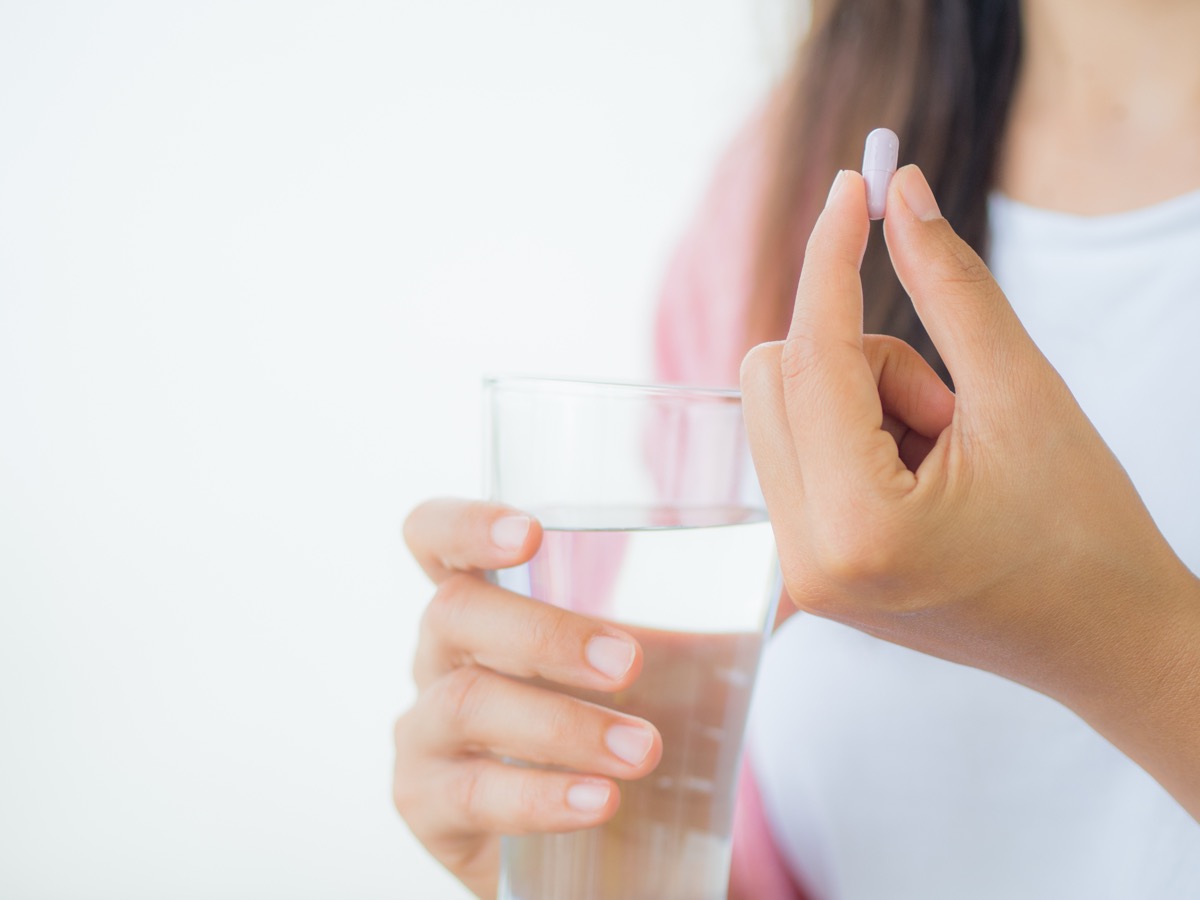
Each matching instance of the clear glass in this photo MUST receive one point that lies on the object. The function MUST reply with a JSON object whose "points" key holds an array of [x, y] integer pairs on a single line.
{"points": [[654, 520]]}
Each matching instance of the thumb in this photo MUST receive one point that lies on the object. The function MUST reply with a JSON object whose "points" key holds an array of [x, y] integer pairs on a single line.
{"points": [[969, 319]]}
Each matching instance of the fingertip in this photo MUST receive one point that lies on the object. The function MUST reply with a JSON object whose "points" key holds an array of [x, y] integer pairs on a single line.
{"points": [[828, 309], [840, 233], [616, 656], [959, 302], [448, 535], [515, 534], [856, 181], [856, 190], [654, 757], [910, 193], [597, 799], [848, 192], [510, 531]]}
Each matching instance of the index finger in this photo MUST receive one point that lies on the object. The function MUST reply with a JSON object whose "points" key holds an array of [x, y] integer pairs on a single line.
{"points": [[447, 535], [832, 401]]}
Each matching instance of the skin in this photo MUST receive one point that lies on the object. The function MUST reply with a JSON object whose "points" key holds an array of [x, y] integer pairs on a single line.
{"points": [[1106, 116], [992, 527]]}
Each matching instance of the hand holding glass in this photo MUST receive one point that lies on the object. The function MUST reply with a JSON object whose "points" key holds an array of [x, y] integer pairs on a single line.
{"points": [[653, 520]]}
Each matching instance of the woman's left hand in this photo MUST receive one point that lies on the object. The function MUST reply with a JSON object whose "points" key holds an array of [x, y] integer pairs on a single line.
{"points": [[991, 526]]}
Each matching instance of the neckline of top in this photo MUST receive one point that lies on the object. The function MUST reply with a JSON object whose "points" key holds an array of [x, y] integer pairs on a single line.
{"points": [[1039, 224]]}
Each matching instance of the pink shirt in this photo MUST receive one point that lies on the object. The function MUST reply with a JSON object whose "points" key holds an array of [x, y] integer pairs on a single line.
{"points": [[700, 328], [699, 336]]}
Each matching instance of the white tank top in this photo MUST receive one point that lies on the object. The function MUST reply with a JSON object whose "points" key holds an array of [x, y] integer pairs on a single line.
{"points": [[890, 775]]}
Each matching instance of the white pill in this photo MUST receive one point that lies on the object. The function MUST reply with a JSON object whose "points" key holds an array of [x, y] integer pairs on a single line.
{"points": [[880, 156]]}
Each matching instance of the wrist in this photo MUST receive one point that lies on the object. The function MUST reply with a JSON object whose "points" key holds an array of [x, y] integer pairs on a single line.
{"points": [[1136, 679]]}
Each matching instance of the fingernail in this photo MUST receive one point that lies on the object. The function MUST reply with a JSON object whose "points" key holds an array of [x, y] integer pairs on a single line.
{"points": [[510, 532], [836, 186], [587, 796], [610, 656], [629, 742], [918, 197]]}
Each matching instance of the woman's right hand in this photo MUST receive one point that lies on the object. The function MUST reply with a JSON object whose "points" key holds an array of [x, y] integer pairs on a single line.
{"points": [[479, 649]]}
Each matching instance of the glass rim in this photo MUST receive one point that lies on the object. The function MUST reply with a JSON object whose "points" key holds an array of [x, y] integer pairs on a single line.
{"points": [[535, 384]]}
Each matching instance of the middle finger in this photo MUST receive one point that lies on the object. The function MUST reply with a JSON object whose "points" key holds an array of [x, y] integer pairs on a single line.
{"points": [[474, 711], [472, 622]]}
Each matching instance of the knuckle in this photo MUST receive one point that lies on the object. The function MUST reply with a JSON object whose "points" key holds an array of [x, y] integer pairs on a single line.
{"points": [[562, 724], [969, 273], [887, 347], [857, 562], [958, 264], [403, 795], [495, 798], [528, 801], [760, 364], [796, 576], [806, 355], [461, 692], [550, 630], [799, 353], [448, 603], [404, 785], [805, 587], [846, 560], [468, 793]]}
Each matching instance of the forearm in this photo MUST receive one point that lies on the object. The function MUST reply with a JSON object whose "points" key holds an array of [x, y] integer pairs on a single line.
{"points": [[1140, 688]]}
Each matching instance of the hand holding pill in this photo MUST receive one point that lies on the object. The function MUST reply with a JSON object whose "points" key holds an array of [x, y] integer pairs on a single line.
{"points": [[990, 526]]}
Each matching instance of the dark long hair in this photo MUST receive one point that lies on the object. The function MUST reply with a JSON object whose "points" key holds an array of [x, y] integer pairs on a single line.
{"points": [[941, 74]]}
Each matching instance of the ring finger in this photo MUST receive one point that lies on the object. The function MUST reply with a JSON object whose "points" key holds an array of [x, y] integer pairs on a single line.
{"points": [[473, 710]]}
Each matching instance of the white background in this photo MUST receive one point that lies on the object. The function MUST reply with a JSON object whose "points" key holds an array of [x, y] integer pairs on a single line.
{"points": [[254, 259]]}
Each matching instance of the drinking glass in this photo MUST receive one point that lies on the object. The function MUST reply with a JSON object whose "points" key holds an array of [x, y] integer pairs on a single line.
{"points": [[652, 520]]}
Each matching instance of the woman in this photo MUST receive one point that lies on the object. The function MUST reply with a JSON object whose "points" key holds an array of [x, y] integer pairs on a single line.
{"points": [[991, 526]]}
